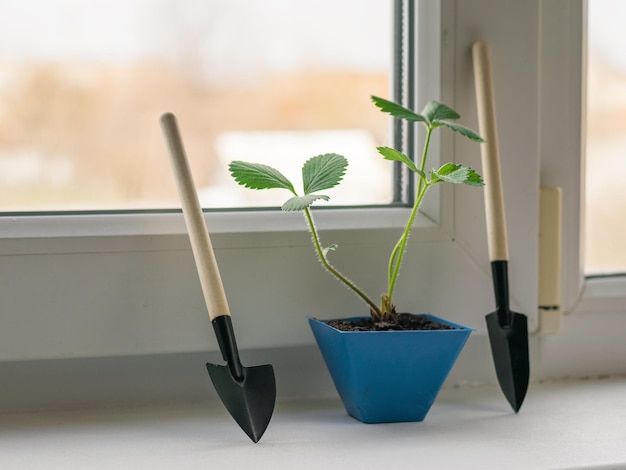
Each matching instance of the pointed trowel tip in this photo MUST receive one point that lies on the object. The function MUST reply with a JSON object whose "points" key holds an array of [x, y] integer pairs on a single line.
{"points": [[515, 390], [249, 401], [256, 437], [509, 348], [517, 401], [516, 406]]}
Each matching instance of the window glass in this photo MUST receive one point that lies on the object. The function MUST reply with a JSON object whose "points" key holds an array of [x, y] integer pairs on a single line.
{"points": [[82, 85], [605, 211]]}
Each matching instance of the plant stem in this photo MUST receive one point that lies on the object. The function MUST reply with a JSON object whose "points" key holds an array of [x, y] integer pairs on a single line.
{"points": [[322, 257], [429, 131], [395, 261], [392, 261]]}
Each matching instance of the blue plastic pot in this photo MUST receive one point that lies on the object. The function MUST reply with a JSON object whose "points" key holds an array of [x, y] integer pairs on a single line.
{"points": [[389, 376]]}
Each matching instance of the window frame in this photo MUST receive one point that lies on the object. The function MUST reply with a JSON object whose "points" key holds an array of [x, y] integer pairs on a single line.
{"points": [[72, 224], [71, 239], [563, 81], [155, 249]]}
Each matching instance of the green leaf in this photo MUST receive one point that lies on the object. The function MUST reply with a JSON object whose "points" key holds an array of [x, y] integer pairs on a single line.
{"points": [[457, 174], [299, 203], [259, 176], [436, 111], [452, 173], [393, 155], [465, 131], [323, 172], [397, 110], [473, 179]]}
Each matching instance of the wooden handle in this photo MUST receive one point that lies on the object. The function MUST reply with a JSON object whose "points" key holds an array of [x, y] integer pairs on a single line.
{"points": [[494, 202], [203, 254]]}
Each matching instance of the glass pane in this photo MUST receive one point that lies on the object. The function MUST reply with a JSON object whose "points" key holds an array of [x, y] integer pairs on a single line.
{"points": [[605, 211], [83, 83]]}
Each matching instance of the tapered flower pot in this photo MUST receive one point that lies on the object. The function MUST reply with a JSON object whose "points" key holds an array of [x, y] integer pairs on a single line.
{"points": [[389, 376]]}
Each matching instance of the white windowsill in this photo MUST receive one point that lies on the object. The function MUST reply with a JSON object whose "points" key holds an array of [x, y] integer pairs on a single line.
{"points": [[130, 232], [168, 223], [571, 424]]}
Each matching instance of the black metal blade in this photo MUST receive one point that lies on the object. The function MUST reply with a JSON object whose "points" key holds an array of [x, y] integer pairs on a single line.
{"points": [[249, 401], [249, 393], [509, 347]]}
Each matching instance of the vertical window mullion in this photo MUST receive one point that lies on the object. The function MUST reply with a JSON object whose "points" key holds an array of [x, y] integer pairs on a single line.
{"points": [[403, 92]]}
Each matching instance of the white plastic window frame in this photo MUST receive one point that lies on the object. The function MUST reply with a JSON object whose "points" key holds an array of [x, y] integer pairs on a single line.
{"points": [[61, 272], [563, 153], [101, 285]]}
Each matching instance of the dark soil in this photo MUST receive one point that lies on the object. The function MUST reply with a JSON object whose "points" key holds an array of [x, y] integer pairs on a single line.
{"points": [[406, 321]]}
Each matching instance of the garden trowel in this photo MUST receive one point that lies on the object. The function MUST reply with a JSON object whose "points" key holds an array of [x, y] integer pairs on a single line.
{"points": [[249, 393], [508, 330]]}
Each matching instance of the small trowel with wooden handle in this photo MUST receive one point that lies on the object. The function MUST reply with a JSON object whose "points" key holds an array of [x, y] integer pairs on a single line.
{"points": [[249, 393], [508, 330]]}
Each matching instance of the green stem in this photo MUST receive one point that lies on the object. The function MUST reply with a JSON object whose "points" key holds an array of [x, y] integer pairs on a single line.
{"points": [[429, 131], [392, 261], [399, 250], [322, 257]]}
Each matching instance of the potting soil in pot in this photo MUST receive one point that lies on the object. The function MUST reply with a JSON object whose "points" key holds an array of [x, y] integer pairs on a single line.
{"points": [[406, 321]]}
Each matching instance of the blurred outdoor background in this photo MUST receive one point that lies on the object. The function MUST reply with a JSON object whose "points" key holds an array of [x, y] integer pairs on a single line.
{"points": [[82, 85], [605, 208]]}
